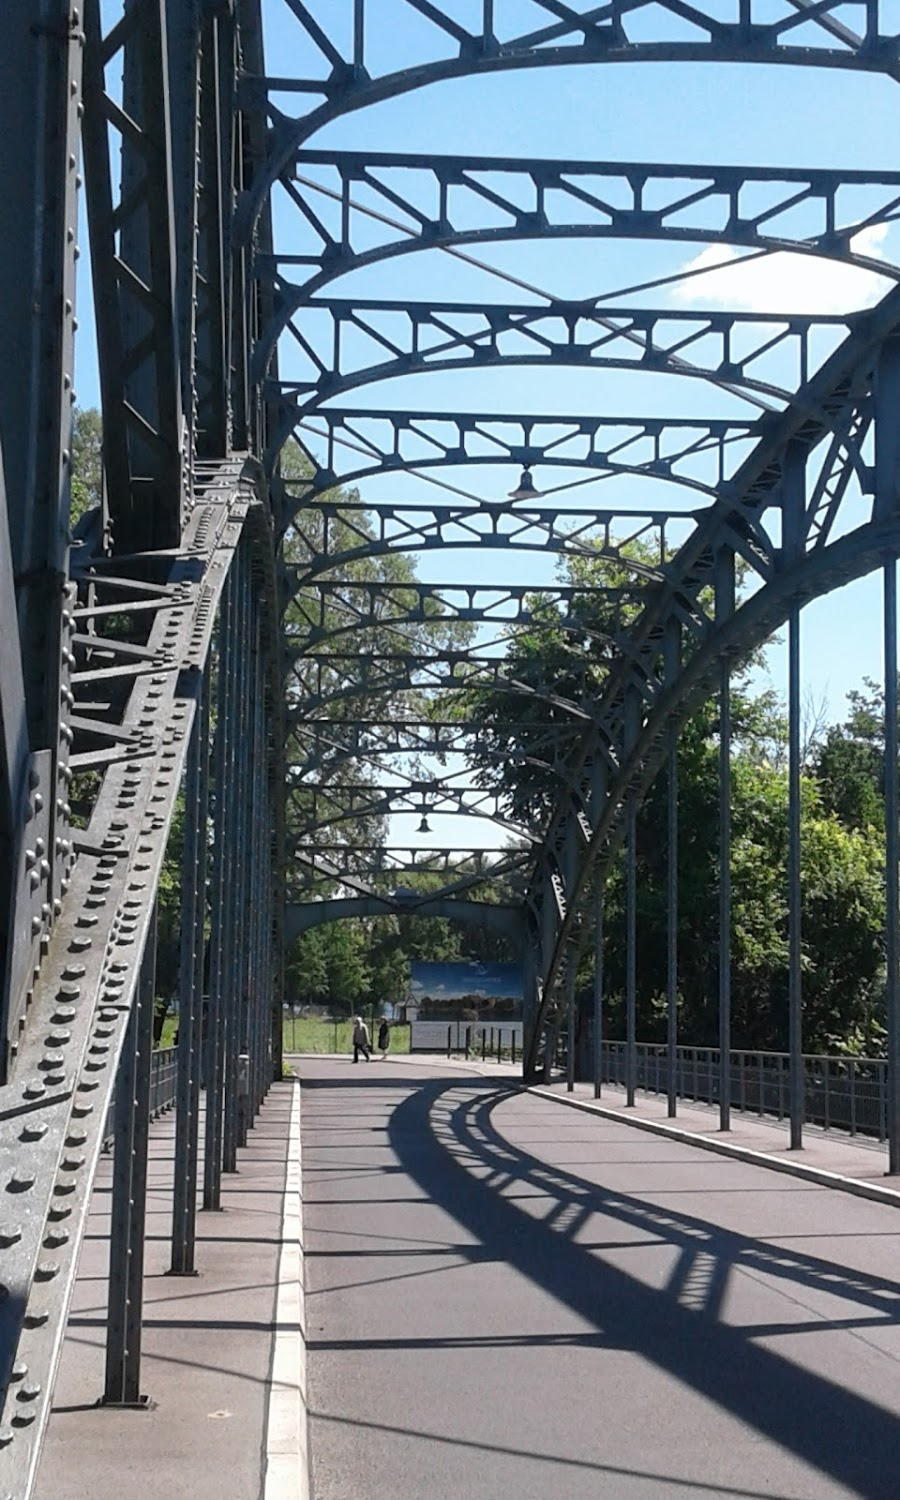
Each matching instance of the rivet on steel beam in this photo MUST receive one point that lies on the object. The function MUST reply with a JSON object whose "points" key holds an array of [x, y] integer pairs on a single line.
{"points": [[54, 1239], [34, 1130], [20, 1182], [10, 1236], [46, 1270]]}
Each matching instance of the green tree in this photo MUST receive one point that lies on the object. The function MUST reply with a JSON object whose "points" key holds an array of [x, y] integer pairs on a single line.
{"points": [[563, 663], [87, 462], [850, 765]]}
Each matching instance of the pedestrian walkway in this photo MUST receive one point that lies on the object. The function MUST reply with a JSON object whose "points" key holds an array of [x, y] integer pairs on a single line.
{"points": [[207, 1342], [505, 1296], [854, 1160], [510, 1297]]}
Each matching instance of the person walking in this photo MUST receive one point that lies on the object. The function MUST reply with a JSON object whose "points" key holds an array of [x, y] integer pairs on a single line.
{"points": [[360, 1039], [384, 1038]]}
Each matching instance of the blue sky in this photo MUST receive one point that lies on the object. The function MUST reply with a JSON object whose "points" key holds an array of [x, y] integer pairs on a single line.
{"points": [[685, 113]]}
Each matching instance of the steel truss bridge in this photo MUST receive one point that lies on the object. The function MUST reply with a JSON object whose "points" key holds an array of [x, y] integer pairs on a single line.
{"points": [[219, 646]]}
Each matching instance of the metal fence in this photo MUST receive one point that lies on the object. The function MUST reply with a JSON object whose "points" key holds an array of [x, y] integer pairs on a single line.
{"points": [[163, 1073], [847, 1093], [475, 1038]]}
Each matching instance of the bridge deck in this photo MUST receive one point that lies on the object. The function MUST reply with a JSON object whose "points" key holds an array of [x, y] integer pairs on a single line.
{"points": [[504, 1298], [509, 1298]]}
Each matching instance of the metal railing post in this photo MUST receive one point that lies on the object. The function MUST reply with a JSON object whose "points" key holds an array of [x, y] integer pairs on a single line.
{"points": [[129, 1194], [631, 954], [190, 1005]]}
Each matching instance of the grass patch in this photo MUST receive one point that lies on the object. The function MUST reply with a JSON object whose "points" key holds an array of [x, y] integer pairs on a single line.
{"points": [[312, 1034], [319, 1034]]}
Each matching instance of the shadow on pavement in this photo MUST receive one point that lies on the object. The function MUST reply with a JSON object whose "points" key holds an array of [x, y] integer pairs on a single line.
{"points": [[442, 1135]]}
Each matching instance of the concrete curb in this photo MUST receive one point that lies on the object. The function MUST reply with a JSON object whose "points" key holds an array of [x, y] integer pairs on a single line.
{"points": [[287, 1446], [888, 1196]]}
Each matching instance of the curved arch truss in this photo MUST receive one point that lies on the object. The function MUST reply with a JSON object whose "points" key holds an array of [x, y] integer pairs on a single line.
{"points": [[780, 480]]}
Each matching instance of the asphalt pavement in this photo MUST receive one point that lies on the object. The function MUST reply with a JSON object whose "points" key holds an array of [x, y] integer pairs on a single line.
{"points": [[512, 1300]]}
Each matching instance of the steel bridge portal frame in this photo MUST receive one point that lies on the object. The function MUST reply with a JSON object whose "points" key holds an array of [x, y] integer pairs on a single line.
{"points": [[142, 669], [140, 679], [779, 510]]}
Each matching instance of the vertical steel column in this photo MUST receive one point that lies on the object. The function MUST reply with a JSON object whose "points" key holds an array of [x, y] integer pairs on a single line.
{"points": [[129, 1195], [632, 711], [190, 1002], [237, 891], [631, 951], [793, 532], [570, 1019], [549, 925], [215, 1051], [258, 772], [571, 876], [530, 992], [795, 990], [264, 885], [671, 664], [40, 117], [250, 1032], [892, 855], [598, 985], [672, 928], [724, 609]]}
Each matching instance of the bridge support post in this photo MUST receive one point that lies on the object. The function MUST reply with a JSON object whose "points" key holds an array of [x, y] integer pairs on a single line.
{"points": [[671, 666], [631, 953], [724, 584], [795, 892], [598, 985], [632, 720], [190, 1005], [129, 1195], [892, 875], [238, 892], [219, 938]]}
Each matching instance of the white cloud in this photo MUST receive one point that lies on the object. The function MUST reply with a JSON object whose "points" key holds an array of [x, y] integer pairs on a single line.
{"points": [[784, 282]]}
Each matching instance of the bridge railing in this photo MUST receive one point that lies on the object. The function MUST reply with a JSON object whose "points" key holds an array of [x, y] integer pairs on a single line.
{"points": [[845, 1093], [163, 1076]]}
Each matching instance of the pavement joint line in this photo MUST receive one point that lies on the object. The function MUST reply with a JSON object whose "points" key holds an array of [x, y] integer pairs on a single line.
{"points": [[888, 1196], [287, 1449]]}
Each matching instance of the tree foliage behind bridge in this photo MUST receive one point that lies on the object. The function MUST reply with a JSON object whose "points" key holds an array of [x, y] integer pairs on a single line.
{"points": [[566, 660]]}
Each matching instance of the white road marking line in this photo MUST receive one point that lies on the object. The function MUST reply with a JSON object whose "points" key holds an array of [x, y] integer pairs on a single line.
{"points": [[287, 1454]]}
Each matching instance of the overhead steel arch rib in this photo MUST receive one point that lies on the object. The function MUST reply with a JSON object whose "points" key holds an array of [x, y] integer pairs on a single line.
{"points": [[614, 192], [651, 447], [345, 85], [507, 920]]}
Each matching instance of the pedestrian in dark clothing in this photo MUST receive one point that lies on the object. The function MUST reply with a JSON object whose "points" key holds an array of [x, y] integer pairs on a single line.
{"points": [[384, 1039]]}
